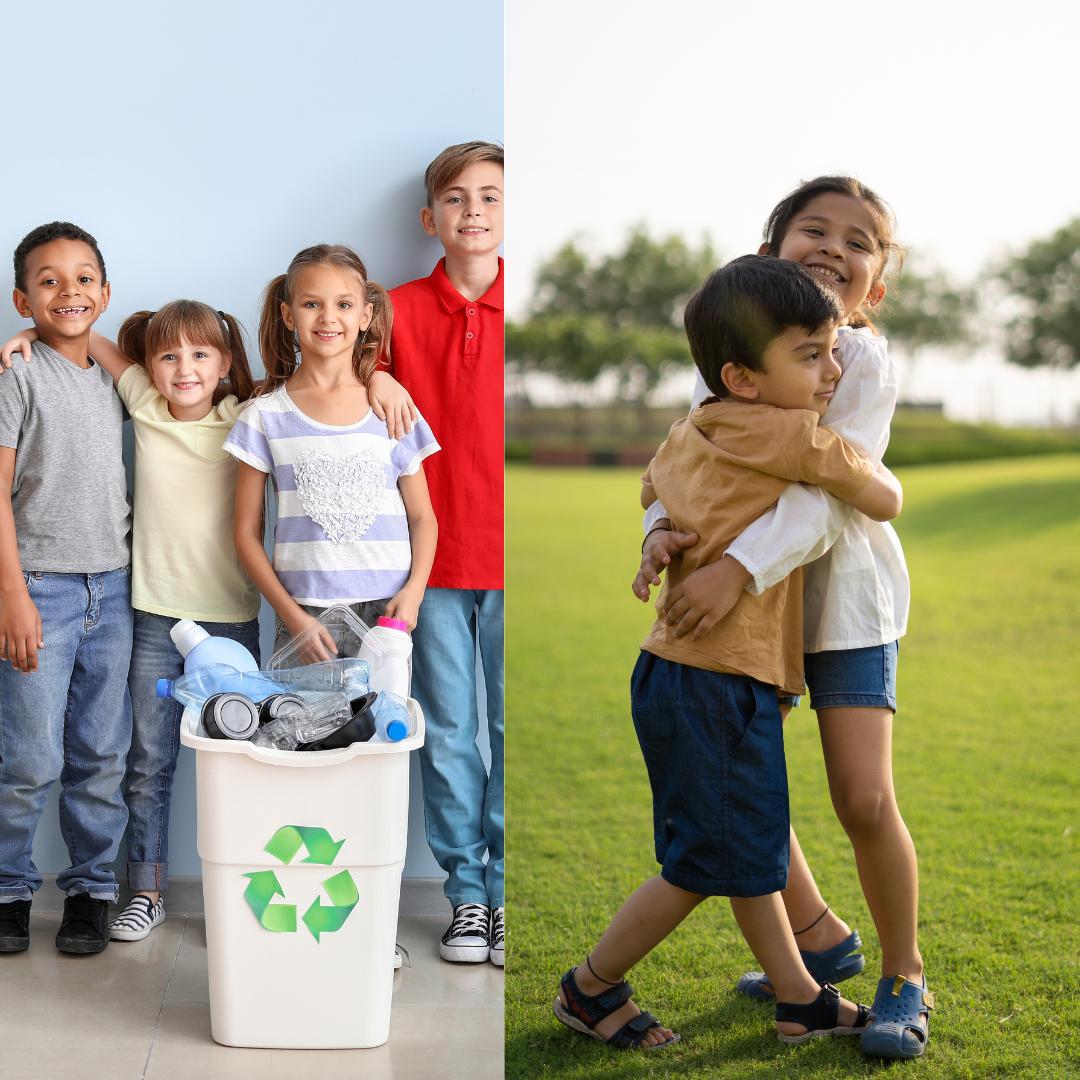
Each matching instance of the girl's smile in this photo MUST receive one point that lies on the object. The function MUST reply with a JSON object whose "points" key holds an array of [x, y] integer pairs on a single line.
{"points": [[187, 375], [328, 311]]}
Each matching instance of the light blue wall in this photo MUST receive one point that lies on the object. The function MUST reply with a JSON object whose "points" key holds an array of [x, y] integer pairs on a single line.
{"points": [[204, 144]]}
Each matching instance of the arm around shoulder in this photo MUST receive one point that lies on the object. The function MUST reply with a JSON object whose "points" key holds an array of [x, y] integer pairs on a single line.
{"points": [[882, 498]]}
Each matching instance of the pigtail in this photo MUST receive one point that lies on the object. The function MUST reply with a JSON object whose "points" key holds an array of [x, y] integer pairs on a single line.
{"points": [[238, 379], [276, 341], [131, 340], [373, 346]]}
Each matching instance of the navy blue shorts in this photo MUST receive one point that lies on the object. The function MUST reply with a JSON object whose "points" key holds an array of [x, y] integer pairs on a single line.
{"points": [[714, 749], [851, 678]]}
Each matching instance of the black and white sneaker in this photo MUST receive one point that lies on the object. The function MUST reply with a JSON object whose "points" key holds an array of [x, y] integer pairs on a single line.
{"points": [[497, 929], [137, 920], [466, 940]]}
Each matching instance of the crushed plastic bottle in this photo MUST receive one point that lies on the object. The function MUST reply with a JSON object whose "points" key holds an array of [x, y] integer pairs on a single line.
{"points": [[324, 714]]}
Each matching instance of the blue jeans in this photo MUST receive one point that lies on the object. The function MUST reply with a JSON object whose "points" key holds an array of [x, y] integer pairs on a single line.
{"points": [[69, 720], [155, 740], [463, 802]]}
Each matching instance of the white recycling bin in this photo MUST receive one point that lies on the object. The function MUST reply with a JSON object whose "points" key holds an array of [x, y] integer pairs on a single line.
{"points": [[302, 856]]}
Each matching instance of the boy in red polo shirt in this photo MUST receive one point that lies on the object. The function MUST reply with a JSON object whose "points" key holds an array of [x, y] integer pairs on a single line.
{"points": [[447, 350]]}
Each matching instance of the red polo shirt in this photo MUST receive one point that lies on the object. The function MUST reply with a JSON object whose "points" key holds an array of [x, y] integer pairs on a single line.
{"points": [[448, 353]]}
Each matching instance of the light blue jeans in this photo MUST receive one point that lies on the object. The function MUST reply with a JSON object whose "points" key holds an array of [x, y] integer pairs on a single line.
{"points": [[69, 720], [463, 802], [155, 741]]}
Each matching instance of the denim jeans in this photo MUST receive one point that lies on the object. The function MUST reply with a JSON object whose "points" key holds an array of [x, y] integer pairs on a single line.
{"points": [[155, 740], [463, 802], [69, 720]]}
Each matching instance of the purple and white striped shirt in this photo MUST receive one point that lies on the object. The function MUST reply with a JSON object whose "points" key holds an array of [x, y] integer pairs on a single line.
{"points": [[342, 534]]}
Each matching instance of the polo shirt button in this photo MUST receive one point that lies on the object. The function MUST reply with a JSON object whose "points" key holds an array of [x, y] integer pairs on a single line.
{"points": [[471, 311], [470, 335]]}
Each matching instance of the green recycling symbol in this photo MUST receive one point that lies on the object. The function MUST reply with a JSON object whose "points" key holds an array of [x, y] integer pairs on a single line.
{"points": [[264, 886]]}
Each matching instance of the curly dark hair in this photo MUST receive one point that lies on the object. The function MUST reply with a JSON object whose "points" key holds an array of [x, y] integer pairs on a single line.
{"points": [[45, 234]]}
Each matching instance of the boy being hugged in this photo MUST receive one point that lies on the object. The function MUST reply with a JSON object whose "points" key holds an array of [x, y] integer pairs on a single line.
{"points": [[447, 350], [65, 594], [762, 332]]}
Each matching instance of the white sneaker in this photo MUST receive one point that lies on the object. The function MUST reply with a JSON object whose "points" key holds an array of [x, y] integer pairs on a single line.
{"points": [[497, 928], [137, 920], [466, 939]]}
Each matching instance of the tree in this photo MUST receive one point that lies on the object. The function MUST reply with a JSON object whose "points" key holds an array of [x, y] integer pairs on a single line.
{"points": [[619, 312], [1044, 281], [924, 308]]}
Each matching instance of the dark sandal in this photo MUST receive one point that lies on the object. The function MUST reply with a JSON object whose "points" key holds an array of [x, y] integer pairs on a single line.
{"points": [[833, 965], [820, 1017], [899, 1019], [583, 1012]]}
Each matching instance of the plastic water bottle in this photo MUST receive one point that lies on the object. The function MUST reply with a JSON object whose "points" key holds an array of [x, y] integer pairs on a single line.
{"points": [[322, 715], [199, 649], [347, 673], [196, 686], [388, 648], [392, 720]]}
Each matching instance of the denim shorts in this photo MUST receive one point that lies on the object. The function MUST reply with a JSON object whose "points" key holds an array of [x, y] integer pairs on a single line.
{"points": [[851, 678], [714, 749]]}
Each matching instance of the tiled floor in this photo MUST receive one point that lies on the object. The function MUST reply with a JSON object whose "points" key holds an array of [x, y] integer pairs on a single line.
{"points": [[141, 1009]]}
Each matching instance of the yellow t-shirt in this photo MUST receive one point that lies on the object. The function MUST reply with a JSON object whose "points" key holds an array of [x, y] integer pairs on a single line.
{"points": [[183, 562], [719, 469]]}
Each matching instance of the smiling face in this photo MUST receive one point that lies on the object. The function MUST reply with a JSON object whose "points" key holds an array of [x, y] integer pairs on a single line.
{"points": [[187, 376], [835, 236], [328, 310], [800, 371], [65, 293], [467, 214]]}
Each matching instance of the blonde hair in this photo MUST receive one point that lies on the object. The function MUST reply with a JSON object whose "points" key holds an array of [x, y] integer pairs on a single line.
{"points": [[147, 333], [455, 160], [278, 343]]}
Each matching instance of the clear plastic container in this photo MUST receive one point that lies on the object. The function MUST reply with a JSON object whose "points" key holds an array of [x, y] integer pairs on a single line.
{"points": [[338, 632]]}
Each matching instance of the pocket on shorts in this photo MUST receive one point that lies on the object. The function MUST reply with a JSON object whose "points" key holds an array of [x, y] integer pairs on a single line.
{"points": [[30, 579]]}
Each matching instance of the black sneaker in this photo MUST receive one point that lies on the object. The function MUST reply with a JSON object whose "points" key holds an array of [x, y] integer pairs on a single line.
{"points": [[15, 926], [466, 940], [85, 925]]}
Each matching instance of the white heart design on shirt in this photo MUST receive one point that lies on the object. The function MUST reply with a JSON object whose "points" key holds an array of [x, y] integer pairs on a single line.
{"points": [[340, 494]]}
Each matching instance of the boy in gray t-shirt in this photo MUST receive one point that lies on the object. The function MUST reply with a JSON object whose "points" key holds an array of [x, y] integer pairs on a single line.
{"points": [[65, 594]]}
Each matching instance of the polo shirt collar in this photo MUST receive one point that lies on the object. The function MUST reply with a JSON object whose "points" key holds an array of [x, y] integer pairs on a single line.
{"points": [[452, 300]]}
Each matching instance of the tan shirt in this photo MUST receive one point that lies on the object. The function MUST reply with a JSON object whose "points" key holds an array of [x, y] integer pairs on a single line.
{"points": [[183, 561], [718, 470]]}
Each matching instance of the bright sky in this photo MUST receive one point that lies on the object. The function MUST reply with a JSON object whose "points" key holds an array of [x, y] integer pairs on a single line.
{"points": [[697, 117]]}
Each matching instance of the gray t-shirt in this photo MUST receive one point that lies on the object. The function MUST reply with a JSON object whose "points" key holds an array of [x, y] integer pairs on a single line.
{"points": [[70, 491]]}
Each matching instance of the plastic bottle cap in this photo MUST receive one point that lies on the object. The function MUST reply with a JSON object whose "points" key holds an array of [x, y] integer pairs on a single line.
{"points": [[186, 635], [396, 730], [393, 624], [164, 688]]}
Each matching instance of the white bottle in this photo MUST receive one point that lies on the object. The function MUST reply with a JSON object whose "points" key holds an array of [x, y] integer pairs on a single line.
{"points": [[387, 647]]}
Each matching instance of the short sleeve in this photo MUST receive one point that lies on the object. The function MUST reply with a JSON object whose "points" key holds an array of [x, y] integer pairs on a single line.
{"points": [[12, 409], [247, 442], [410, 451], [831, 463], [136, 389]]}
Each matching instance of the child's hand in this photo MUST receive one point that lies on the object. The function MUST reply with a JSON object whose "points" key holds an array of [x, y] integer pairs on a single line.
{"points": [[405, 606], [20, 631], [659, 547], [704, 597], [317, 646], [19, 343], [390, 401]]}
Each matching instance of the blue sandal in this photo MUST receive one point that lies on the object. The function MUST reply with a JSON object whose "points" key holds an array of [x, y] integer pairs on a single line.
{"points": [[830, 966], [899, 1019], [582, 1012], [820, 1017]]}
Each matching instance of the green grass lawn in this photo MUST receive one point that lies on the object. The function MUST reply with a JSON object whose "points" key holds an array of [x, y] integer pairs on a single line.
{"points": [[986, 763]]}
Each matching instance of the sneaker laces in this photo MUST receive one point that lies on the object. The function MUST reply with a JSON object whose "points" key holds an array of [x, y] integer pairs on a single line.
{"points": [[497, 928], [470, 920]]}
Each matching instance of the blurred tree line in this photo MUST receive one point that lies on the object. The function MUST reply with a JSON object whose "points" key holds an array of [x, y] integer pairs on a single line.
{"points": [[621, 313]]}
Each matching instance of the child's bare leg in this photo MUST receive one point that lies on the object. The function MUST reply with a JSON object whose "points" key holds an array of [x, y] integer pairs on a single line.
{"points": [[763, 922], [652, 911], [858, 759]]}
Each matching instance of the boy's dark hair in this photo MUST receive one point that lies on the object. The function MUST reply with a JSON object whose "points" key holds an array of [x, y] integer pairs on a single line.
{"points": [[45, 234], [747, 303], [454, 160], [786, 210]]}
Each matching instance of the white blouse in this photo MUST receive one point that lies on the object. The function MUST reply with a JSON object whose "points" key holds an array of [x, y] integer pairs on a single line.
{"points": [[856, 585]]}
